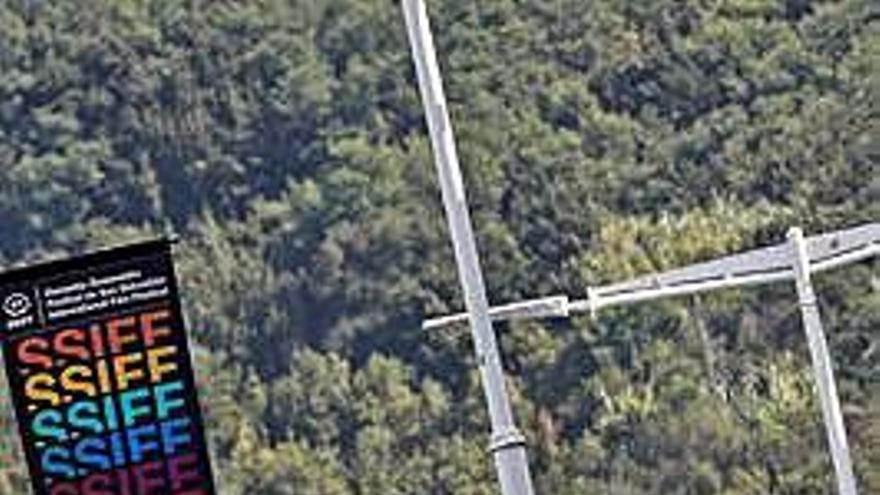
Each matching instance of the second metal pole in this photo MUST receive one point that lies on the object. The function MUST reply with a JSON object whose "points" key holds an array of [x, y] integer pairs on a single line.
{"points": [[508, 444], [822, 368]]}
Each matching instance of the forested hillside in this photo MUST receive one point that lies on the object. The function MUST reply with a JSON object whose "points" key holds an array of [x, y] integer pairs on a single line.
{"points": [[284, 141]]}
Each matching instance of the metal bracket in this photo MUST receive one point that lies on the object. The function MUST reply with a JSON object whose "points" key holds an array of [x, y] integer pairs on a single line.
{"points": [[507, 439]]}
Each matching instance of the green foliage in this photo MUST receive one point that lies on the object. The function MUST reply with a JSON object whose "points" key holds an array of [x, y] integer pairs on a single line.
{"points": [[284, 141]]}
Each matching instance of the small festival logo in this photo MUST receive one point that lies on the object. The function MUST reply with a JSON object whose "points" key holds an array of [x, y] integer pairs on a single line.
{"points": [[17, 305]]}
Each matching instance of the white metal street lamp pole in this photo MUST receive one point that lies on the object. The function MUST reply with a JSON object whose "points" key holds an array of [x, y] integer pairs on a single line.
{"points": [[507, 444], [795, 260], [822, 368]]}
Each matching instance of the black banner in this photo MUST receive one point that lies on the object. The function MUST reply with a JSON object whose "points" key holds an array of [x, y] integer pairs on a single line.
{"points": [[101, 376]]}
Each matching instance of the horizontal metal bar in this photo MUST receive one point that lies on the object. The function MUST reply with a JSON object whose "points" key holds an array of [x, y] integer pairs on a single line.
{"points": [[861, 254], [844, 252], [601, 301], [745, 264], [834, 244], [752, 263], [545, 307]]}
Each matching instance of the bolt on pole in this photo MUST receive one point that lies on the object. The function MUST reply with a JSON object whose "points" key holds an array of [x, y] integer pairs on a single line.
{"points": [[822, 369], [507, 444]]}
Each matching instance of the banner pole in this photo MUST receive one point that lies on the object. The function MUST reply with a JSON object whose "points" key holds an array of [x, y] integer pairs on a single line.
{"points": [[507, 443], [822, 368]]}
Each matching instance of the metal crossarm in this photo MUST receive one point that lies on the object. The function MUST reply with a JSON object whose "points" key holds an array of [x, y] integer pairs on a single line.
{"points": [[758, 267], [547, 307], [794, 261], [843, 242]]}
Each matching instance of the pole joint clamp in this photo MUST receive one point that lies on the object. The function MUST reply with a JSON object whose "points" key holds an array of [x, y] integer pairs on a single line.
{"points": [[809, 302], [505, 440], [593, 302]]}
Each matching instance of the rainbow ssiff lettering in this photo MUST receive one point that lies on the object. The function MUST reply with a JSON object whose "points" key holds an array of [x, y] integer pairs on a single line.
{"points": [[106, 404]]}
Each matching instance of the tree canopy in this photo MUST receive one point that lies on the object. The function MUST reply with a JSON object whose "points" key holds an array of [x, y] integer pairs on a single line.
{"points": [[284, 140]]}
